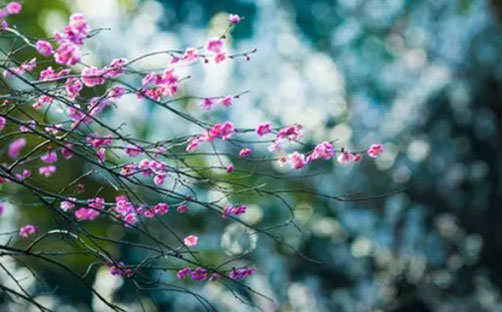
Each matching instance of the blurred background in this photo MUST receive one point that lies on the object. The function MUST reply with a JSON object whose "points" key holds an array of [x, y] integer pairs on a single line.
{"points": [[423, 77]]}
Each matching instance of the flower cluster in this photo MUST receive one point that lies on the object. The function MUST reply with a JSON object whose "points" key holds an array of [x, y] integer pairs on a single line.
{"points": [[12, 8]]}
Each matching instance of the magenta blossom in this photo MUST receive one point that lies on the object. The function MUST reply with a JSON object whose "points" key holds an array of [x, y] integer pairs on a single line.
{"points": [[16, 147], [375, 150], [44, 47], [263, 128], [27, 230], [199, 274], [47, 171], [182, 273], [234, 19], [245, 152], [49, 158], [191, 241], [13, 8]]}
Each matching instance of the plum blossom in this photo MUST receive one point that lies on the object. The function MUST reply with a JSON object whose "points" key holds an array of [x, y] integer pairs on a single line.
{"points": [[234, 19], [28, 230], [190, 55], [47, 171], [182, 208], [16, 147], [44, 47], [263, 128], [49, 158], [297, 160], [116, 68], [207, 104], [67, 204], [220, 57], [245, 152], [226, 100], [73, 86], [25, 174], [65, 151], [231, 210], [345, 157], [119, 269], [215, 45], [199, 274], [322, 150], [237, 274], [375, 150], [92, 76], [13, 8], [133, 150], [191, 241], [68, 53], [182, 273], [3, 121], [28, 66], [161, 208], [229, 168]]}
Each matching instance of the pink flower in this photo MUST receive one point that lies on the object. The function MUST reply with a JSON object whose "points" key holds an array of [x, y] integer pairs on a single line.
{"points": [[3, 121], [375, 150], [92, 76], [220, 57], [199, 274], [226, 101], [234, 19], [215, 45], [322, 150], [263, 128], [292, 133], [207, 104], [25, 174], [345, 157], [159, 179], [43, 100], [67, 54], [230, 168], [73, 86], [116, 93], [237, 274], [191, 241], [119, 269], [297, 160], [214, 277], [49, 158], [47, 171], [357, 157], [245, 152], [13, 8], [130, 219], [161, 208], [27, 230], [65, 151], [16, 147], [78, 26], [116, 68], [44, 47], [183, 273], [182, 208], [101, 153], [190, 55], [230, 210], [133, 150], [68, 205]]}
